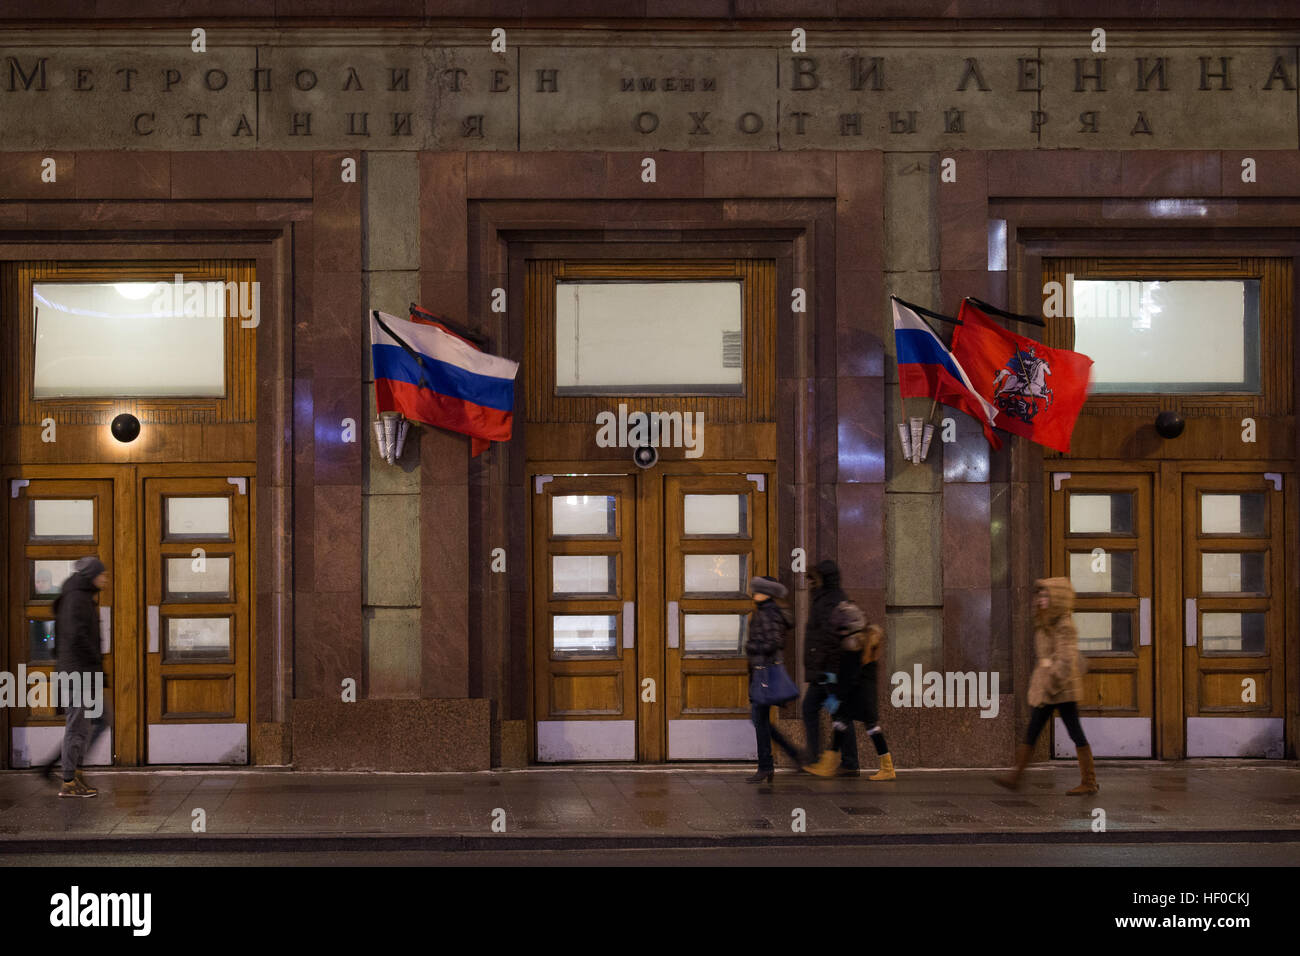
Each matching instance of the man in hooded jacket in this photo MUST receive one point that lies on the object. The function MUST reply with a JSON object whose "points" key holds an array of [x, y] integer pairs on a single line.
{"points": [[76, 641], [820, 661]]}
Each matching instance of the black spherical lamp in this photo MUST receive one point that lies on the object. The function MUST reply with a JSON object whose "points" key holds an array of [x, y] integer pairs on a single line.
{"points": [[1169, 424], [125, 428]]}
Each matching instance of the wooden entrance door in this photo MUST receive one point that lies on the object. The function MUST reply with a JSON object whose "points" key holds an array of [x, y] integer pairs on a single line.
{"points": [[584, 617], [1233, 534], [715, 540], [52, 523], [1102, 539], [196, 578], [175, 620], [640, 604]]}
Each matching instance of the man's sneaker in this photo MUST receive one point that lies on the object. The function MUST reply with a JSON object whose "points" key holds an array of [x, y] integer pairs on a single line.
{"points": [[75, 788], [76, 775], [847, 771]]}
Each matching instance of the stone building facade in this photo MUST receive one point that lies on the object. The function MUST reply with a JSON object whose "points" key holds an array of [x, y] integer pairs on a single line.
{"points": [[359, 157]]}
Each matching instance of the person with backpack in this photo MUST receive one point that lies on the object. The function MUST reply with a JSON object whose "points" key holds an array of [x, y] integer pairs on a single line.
{"points": [[855, 690], [769, 684], [821, 655], [1057, 681], [76, 645]]}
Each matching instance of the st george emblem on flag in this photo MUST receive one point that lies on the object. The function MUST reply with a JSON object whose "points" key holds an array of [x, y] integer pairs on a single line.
{"points": [[1038, 391], [432, 376]]}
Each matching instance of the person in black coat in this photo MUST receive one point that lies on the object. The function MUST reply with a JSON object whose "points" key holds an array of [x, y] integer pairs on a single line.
{"points": [[764, 645], [854, 698], [76, 644], [821, 657]]}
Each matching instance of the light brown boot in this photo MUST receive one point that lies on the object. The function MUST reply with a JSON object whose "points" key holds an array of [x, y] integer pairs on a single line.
{"points": [[827, 766], [1012, 781], [886, 771], [1087, 773]]}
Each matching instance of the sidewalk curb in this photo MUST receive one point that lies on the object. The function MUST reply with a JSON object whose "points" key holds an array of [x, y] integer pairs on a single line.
{"points": [[232, 843]]}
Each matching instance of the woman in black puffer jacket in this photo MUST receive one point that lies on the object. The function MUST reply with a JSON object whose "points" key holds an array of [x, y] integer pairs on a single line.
{"points": [[764, 644]]}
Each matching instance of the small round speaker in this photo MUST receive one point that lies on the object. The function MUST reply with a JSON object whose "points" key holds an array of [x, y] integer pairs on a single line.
{"points": [[647, 456], [1169, 424], [125, 427]]}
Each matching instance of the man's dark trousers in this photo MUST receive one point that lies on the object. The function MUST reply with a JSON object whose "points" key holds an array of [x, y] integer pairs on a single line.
{"points": [[812, 707]]}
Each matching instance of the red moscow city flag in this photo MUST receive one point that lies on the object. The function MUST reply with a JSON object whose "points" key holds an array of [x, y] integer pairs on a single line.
{"points": [[1037, 391]]}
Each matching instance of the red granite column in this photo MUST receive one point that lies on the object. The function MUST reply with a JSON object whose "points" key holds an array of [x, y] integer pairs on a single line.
{"points": [[328, 390]]}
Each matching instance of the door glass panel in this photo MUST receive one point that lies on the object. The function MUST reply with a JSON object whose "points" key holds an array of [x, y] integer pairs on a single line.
{"points": [[1238, 632], [1234, 514], [63, 519], [1101, 514], [713, 633], [1184, 335], [47, 577], [40, 640], [716, 573], [586, 574], [198, 638], [583, 634], [211, 583], [715, 515], [675, 336], [1235, 573], [591, 516], [122, 339], [1105, 632], [1105, 573], [198, 518]]}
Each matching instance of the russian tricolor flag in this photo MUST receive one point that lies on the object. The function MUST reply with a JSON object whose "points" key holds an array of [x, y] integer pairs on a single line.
{"points": [[435, 377], [926, 369]]}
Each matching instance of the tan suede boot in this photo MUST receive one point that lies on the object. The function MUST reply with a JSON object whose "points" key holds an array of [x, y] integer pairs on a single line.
{"points": [[1087, 773], [827, 766], [1012, 781], [886, 771]]}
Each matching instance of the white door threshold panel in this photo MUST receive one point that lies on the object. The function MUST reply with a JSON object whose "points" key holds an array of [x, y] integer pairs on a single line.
{"points": [[37, 746], [711, 740], [1235, 737], [198, 743], [565, 740], [1107, 736]]}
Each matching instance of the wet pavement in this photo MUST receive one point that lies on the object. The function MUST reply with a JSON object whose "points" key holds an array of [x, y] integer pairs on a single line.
{"points": [[1196, 801]]}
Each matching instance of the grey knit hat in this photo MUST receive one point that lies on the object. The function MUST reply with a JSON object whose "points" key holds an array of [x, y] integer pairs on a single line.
{"points": [[769, 586]]}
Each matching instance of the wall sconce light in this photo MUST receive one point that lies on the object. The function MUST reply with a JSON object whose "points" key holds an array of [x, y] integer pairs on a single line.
{"points": [[390, 435], [1169, 424], [915, 435], [125, 428]]}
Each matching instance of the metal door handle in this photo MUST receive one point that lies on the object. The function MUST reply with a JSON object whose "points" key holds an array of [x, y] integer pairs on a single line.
{"points": [[105, 630], [1191, 625], [673, 638], [1144, 621], [629, 623], [153, 628]]}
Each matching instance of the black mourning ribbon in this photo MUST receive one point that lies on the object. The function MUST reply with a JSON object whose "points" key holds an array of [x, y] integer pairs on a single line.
{"points": [[419, 359], [1013, 316]]}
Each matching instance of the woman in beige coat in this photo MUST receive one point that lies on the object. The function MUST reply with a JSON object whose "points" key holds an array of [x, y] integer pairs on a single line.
{"points": [[1057, 681]]}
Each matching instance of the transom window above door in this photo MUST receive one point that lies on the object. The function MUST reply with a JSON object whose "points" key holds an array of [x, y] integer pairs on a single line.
{"points": [[1163, 335], [622, 336], [1202, 336], [129, 339], [168, 341]]}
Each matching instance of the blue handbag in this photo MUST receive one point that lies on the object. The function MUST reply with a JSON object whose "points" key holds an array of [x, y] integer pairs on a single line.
{"points": [[771, 686]]}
